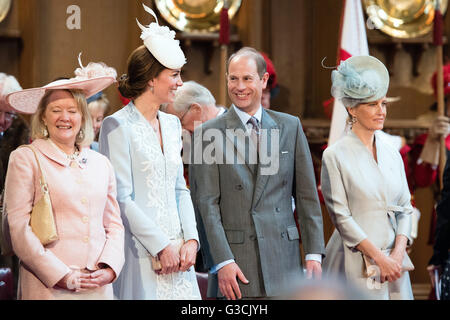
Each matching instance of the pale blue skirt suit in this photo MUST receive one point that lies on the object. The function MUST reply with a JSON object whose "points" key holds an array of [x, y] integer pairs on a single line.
{"points": [[155, 203]]}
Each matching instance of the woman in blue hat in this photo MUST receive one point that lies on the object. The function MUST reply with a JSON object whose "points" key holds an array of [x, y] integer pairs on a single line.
{"points": [[365, 189]]}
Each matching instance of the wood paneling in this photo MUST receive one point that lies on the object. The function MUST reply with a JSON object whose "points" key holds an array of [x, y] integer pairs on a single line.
{"points": [[10, 42], [290, 53], [326, 15]]}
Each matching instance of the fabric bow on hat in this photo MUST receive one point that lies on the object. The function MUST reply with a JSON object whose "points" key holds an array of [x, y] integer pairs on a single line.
{"points": [[93, 70], [161, 43], [356, 85], [90, 79], [362, 78]]}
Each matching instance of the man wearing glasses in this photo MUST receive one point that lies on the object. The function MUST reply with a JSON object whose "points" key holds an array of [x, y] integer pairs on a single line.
{"points": [[193, 105]]}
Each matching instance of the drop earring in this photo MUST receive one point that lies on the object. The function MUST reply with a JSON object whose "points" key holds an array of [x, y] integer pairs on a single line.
{"points": [[81, 135], [45, 132]]}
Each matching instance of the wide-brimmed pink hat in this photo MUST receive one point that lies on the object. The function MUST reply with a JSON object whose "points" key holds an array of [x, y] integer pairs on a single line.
{"points": [[91, 79]]}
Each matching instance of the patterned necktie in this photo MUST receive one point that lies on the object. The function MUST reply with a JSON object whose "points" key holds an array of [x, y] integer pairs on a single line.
{"points": [[255, 124], [255, 133]]}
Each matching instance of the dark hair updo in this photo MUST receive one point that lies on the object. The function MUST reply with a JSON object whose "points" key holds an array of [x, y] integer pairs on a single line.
{"points": [[142, 67]]}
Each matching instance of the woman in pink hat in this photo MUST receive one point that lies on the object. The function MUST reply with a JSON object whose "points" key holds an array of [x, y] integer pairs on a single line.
{"points": [[144, 146], [88, 254]]}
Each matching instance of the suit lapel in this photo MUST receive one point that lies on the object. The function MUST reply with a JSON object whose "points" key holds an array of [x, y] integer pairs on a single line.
{"points": [[267, 123], [233, 122]]}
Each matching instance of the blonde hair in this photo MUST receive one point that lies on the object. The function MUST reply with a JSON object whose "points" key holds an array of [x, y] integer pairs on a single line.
{"points": [[38, 126], [101, 103]]}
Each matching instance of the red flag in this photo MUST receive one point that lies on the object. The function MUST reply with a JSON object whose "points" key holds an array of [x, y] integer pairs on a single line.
{"points": [[438, 28], [224, 35]]}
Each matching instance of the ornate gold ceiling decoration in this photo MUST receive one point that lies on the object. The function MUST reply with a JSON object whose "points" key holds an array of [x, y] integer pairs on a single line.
{"points": [[4, 8], [195, 15], [403, 18]]}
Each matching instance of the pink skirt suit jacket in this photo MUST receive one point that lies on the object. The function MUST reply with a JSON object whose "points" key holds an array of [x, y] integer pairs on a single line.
{"points": [[87, 215]]}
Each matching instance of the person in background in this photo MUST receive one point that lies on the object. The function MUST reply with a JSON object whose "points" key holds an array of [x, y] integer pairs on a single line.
{"points": [[365, 189], [195, 104], [440, 261], [423, 154], [98, 105], [272, 89], [88, 254], [14, 132], [13, 129], [144, 146], [167, 108]]}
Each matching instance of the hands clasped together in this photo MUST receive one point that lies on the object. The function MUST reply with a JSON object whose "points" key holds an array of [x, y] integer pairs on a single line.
{"points": [[391, 266], [174, 261], [82, 280]]}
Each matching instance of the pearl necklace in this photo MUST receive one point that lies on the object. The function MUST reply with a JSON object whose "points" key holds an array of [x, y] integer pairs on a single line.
{"points": [[71, 157]]}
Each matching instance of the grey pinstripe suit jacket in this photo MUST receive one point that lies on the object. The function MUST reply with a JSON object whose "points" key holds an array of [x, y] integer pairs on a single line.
{"points": [[248, 216]]}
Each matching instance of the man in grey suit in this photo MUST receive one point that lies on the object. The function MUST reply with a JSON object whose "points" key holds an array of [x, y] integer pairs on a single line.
{"points": [[245, 200]]}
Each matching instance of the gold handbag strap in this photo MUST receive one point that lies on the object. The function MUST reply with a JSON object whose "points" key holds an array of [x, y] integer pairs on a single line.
{"points": [[42, 178]]}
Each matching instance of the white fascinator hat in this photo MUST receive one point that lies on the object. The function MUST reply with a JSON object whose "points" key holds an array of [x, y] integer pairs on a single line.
{"points": [[359, 79], [91, 79], [161, 43]]}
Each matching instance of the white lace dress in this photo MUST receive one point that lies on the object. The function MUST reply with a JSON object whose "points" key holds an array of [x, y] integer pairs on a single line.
{"points": [[155, 203]]}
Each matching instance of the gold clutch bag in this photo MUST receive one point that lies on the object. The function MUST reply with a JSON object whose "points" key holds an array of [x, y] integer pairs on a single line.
{"points": [[156, 264], [42, 221], [371, 267]]}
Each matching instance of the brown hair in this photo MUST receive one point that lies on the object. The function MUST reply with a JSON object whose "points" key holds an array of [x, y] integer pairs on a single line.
{"points": [[142, 67], [261, 65]]}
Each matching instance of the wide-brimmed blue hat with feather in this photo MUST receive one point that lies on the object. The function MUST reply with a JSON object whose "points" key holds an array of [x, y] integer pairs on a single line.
{"points": [[359, 79]]}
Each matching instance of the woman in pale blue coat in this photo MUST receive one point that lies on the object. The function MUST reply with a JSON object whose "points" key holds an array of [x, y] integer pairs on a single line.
{"points": [[365, 189], [144, 146]]}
